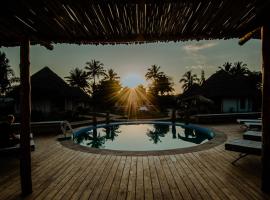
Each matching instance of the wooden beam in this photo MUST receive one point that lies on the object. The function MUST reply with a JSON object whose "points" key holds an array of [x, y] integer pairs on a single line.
{"points": [[266, 108], [248, 36], [25, 110]]}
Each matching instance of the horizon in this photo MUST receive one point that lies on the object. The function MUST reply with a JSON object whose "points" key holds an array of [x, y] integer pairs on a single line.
{"points": [[131, 61]]}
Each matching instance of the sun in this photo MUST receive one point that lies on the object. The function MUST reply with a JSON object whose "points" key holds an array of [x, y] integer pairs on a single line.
{"points": [[132, 80]]}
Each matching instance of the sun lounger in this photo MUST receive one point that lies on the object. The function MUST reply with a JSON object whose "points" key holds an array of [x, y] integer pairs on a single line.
{"points": [[244, 147], [252, 125], [62, 127], [17, 147], [253, 135], [241, 121]]}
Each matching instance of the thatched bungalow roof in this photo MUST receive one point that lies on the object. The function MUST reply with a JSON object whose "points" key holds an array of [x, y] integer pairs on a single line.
{"points": [[45, 83], [115, 21], [223, 85]]}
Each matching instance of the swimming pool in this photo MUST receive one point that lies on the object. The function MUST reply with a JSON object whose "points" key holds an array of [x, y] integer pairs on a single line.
{"points": [[142, 136]]}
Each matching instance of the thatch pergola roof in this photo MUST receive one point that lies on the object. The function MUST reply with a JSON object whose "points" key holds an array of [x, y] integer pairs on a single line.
{"points": [[115, 21]]}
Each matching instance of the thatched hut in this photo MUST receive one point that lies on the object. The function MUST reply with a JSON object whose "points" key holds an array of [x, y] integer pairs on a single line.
{"points": [[51, 94]]}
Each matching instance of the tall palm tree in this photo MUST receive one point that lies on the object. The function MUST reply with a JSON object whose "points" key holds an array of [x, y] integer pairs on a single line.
{"points": [[165, 85], [6, 74], [227, 67], [95, 69], [78, 78], [153, 73], [240, 68], [202, 79], [112, 75], [188, 80]]}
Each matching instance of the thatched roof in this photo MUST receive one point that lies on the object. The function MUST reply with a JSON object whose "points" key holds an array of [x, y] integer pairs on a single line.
{"points": [[47, 84], [194, 90], [223, 85], [115, 21]]}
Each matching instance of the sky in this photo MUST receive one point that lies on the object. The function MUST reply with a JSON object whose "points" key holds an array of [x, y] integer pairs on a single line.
{"points": [[131, 61]]}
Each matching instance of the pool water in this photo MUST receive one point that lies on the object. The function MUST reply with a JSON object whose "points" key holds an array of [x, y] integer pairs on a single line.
{"points": [[143, 136]]}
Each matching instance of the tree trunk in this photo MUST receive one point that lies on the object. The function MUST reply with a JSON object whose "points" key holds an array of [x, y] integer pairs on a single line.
{"points": [[266, 108], [25, 110]]}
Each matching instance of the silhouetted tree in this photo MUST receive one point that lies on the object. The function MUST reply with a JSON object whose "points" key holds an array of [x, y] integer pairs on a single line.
{"points": [[95, 69], [226, 67], [236, 69], [7, 76], [153, 73], [188, 80], [161, 83], [78, 78], [202, 79], [164, 85], [240, 68], [111, 75], [107, 92]]}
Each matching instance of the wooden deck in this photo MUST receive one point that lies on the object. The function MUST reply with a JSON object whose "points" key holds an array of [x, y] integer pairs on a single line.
{"points": [[62, 173]]}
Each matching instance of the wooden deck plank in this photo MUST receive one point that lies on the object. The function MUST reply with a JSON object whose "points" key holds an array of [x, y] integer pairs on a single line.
{"points": [[148, 191], [196, 182], [236, 180], [165, 189], [67, 179], [122, 192], [223, 188], [88, 178], [117, 179], [43, 180], [154, 179], [131, 192], [51, 172], [178, 179], [91, 185], [139, 180], [68, 187], [208, 188], [69, 190], [185, 177], [101, 180], [172, 185], [62, 173], [59, 180], [211, 179], [107, 185]]}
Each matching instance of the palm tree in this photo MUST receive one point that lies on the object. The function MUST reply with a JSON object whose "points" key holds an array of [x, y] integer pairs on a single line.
{"points": [[112, 75], [240, 68], [78, 78], [202, 80], [6, 74], [153, 73], [165, 85], [188, 80], [227, 66], [95, 70]]}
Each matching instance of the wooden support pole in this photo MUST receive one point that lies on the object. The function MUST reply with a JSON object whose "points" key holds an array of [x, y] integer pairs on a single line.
{"points": [[266, 108], [25, 110]]}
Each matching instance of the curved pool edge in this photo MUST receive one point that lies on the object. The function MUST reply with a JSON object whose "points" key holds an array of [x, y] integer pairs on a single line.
{"points": [[219, 138]]}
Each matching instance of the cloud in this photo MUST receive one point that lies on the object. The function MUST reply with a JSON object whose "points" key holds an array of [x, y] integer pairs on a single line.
{"points": [[199, 46], [194, 67]]}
